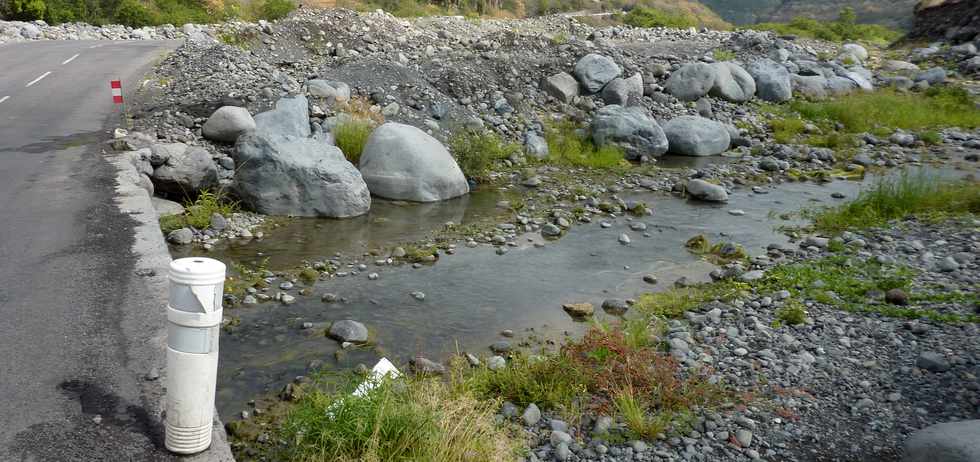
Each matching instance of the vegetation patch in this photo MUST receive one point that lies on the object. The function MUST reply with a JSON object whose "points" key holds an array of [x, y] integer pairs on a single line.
{"points": [[720, 253], [672, 303], [351, 134], [886, 110], [569, 147], [852, 284], [198, 212], [136, 13], [415, 419], [655, 17], [845, 28], [920, 195], [476, 152], [792, 312]]}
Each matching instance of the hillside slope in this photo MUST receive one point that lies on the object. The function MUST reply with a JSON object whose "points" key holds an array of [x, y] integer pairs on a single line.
{"points": [[889, 12]]}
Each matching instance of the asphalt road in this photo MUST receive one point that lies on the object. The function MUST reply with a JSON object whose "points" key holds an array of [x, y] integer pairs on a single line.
{"points": [[69, 385]]}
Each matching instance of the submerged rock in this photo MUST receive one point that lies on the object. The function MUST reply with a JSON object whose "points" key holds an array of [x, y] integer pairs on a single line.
{"points": [[700, 189]]}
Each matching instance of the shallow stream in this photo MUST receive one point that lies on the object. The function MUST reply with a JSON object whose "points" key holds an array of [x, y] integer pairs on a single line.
{"points": [[472, 296]]}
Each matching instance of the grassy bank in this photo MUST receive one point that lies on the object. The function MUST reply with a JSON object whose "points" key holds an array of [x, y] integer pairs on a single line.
{"points": [[834, 123], [910, 195]]}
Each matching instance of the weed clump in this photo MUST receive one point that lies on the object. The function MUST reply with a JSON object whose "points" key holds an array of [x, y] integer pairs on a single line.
{"points": [[792, 313], [568, 147], [351, 134], [672, 303], [400, 419], [477, 151], [198, 212]]}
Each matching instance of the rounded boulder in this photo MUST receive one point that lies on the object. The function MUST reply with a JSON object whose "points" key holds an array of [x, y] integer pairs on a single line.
{"points": [[402, 162], [227, 123], [696, 136]]}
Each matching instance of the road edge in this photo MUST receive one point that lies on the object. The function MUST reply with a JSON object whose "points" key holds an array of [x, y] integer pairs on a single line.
{"points": [[149, 290]]}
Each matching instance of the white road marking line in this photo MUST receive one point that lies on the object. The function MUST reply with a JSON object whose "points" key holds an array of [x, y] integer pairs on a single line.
{"points": [[69, 59], [5, 98], [94, 46], [32, 82]]}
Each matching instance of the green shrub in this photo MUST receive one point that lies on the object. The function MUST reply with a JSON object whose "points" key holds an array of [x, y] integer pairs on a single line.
{"points": [[351, 135], [548, 381], [845, 28], [653, 17], [476, 152], [567, 147], [133, 13], [275, 9], [792, 313], [25, 10]]}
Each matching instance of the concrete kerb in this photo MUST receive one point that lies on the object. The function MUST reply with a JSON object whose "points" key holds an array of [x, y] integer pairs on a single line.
{"points": [[148, 300]]}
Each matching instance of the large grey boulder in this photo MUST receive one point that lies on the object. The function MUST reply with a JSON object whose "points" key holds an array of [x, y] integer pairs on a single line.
{"points": [[624, 92], [732, 83], [298, 176], [692, 81], [702, 190], [772, 81], [945, 442], [30, 31], [290, 117], [595, 71], [631, 129], [404, 163], [853, 51], [561, 86], [971, 66], [934, 76], [338, 91], [227, 123], [860, 80], [839, 86], [348, 331], [810, 86], [696, 136], [182, 170], [892, 65]]}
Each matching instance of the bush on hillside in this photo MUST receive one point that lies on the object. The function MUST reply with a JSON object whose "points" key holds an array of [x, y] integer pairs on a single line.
{"points": [[845, 28], [652, 17]]}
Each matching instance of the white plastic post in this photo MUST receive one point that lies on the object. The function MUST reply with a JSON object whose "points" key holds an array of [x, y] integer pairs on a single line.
{"points": [[194, 320]]}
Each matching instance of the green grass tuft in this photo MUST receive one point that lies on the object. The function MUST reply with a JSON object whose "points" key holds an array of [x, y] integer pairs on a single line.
{"points": [[400, 420], [567, 147], [477, 152], [198, 212], [351, 135], [792, 313]]}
